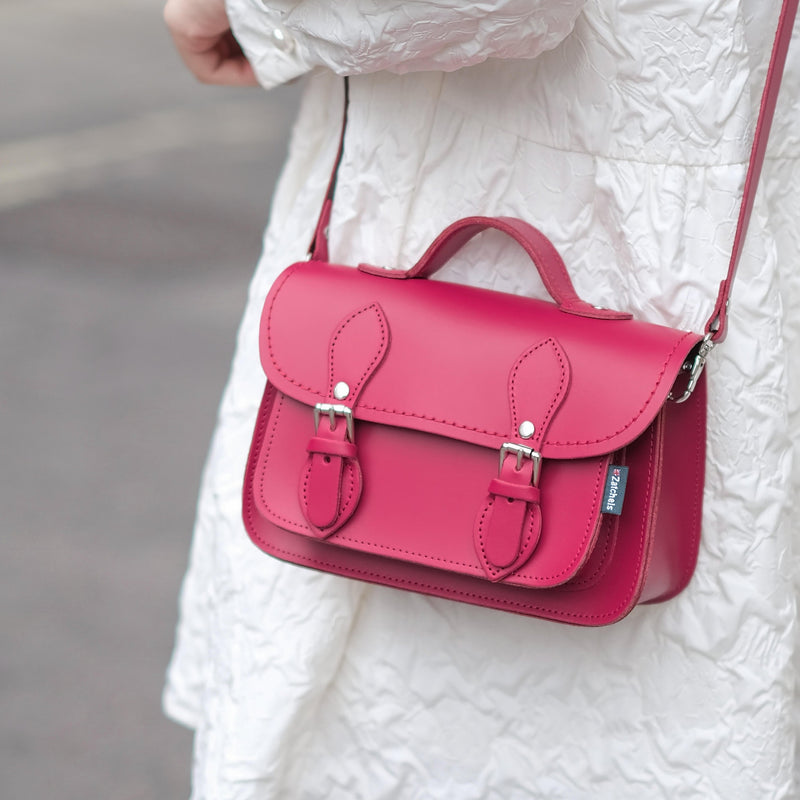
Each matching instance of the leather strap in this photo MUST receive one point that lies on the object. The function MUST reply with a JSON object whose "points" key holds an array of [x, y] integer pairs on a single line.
{"points": [[716, 327], [318, 249], [545, 257], [554, 276]]}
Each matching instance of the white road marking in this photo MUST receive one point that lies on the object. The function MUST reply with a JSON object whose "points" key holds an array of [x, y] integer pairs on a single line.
{"points": [[44, 166]]}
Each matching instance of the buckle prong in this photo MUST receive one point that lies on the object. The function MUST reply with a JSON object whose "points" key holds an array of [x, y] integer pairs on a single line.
{"points": [[521, 451], [333, 410]]}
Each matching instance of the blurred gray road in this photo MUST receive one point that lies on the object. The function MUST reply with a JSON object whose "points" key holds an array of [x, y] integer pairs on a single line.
{"points": [[131, 208]]}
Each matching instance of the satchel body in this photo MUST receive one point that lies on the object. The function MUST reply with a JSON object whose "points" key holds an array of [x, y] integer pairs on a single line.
{"points": [[545, 458], [485, 431]]}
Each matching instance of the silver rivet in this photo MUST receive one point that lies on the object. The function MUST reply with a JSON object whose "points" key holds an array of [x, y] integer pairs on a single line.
{"points": [[526, 429], [341, 390]]}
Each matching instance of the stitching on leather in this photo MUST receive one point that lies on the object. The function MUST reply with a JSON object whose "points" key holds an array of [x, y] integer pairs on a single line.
{"points": [[487, 507], [346, 509], [277, 288], [602, 565], [645, 517], [435, 589], [557, 398], [587, 531], [700, 455], [375, 359], [304, 487], [453, 423], [641, 409], [390, 548], [277, 406], [566, 569], [636, 415], [553, 611], [248, 497], [464, 426], [352, 479], [272, 420], [292, 525], [604, 562], [349, 474], [690, 554], [529, 523], [343, 537], [485, 563]]}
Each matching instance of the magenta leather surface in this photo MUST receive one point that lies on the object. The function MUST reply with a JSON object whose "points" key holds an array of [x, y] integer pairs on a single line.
{"points": [[465, 341], [509, 525], [330, 488], [331, 481], [439, 377]]}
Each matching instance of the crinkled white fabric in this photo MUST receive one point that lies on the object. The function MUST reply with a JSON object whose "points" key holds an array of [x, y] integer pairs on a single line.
{"points": [[286, 38], [626, 143]]}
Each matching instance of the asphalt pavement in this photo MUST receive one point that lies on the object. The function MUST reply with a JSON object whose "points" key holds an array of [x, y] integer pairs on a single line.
{"points": [[132, 203]]}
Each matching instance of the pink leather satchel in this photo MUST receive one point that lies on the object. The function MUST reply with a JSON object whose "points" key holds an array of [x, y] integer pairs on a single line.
{"points": [[471, 444]]}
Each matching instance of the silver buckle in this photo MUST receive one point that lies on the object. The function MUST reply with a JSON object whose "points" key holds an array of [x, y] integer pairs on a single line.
{"points": [[695, 369], [333, 410], [522, 452]]}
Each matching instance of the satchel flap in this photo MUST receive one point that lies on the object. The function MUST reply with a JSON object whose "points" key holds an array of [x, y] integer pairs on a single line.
{"points": [[467, 363]]}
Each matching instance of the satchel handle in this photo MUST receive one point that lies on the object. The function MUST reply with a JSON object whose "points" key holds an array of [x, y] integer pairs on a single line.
{"points": [[541, 251]]}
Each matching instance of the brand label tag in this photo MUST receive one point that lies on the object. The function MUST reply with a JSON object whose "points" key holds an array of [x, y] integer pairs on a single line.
{"points": [[614, 494]]}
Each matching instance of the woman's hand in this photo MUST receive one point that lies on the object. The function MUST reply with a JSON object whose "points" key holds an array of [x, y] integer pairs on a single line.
{"points": [[203, 38]]}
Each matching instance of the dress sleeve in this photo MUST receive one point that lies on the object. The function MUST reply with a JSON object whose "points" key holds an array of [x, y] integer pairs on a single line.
{"points": [[286, 38]]}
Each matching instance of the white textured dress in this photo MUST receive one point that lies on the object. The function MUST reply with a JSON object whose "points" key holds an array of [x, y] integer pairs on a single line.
{"points": [[621, 128]]}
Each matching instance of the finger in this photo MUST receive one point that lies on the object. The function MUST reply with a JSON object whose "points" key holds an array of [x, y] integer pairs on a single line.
{"points": [[215, 60], [202, 37]]}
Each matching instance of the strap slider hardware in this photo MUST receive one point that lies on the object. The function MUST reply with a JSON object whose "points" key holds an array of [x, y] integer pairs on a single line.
{"points": [[695, 368]]}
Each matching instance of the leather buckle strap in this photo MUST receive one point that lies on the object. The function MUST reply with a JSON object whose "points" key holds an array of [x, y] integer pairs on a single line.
{"points": [[509, 524], [331, 482]]}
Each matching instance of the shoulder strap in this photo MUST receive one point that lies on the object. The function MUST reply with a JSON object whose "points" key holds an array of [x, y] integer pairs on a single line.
{"points": [[717, 323], [318, 249]]}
